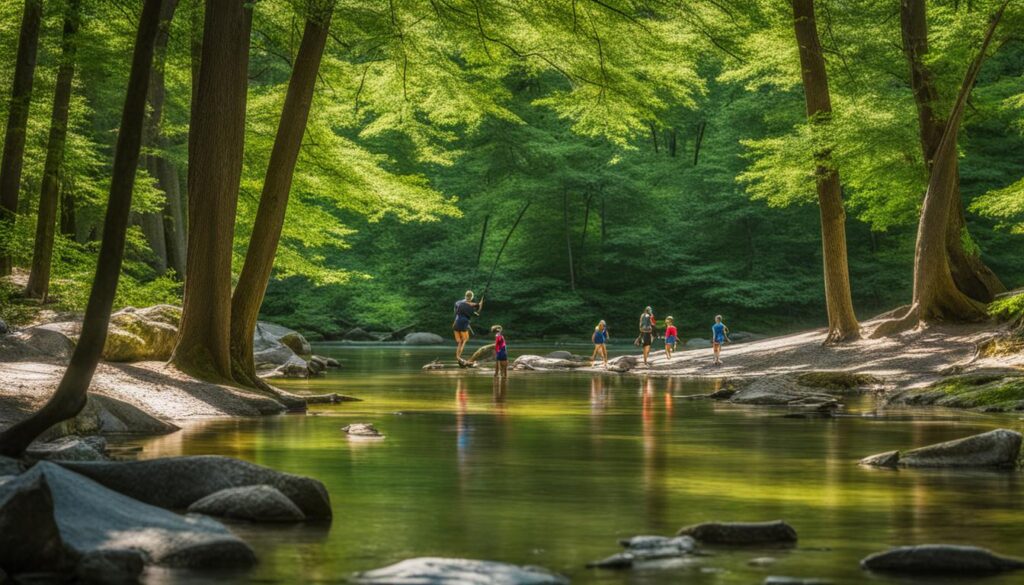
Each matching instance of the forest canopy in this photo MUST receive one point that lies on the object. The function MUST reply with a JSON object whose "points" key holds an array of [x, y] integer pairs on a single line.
{"points": [[667, 150]]}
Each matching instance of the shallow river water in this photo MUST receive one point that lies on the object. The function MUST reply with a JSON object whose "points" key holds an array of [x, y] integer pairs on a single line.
{"points": [[552, 469]]}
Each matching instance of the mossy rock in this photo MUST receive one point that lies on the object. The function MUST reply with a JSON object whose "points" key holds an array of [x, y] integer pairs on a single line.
{"points": [[841, 381], [985, 392]]}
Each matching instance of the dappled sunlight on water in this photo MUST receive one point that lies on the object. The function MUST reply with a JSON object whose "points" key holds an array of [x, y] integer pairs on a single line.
{"points": [[552, 469]]}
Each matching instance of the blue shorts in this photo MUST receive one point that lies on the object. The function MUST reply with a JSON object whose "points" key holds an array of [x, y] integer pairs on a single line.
{"points": [[502, 356], [719, 340], [670, 340], [461, 323]]}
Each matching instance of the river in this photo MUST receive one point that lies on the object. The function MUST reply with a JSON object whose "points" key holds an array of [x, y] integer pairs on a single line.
{"points": [[552, 469]]}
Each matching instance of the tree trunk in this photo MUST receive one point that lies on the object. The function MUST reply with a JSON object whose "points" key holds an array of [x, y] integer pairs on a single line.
{"points": [[671, 139], [842, 321], [936, 296], [970, 273], [568, 238], [39, 278], [654, 137], [68, 225], [70, 396], [266, 232], [698, 141], [17, 119], [216, 142], [166, 223]]}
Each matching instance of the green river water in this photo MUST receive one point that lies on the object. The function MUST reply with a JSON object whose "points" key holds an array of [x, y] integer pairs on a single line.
{"points": [[552, 469]]}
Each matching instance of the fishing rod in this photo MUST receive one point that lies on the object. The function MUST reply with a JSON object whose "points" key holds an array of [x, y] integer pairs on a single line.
{"points": [[508, 236]]}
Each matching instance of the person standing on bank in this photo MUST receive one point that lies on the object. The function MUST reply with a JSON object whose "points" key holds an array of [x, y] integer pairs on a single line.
{"points": [[647, 324], [464, 311]]}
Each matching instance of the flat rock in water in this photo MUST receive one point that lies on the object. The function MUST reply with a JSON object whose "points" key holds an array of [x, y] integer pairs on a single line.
{"points": [[362, 431], [741, 533], [941, 559], [256, 503], [68, 449], [177, 482], [783, 390], [998, 448], [90, 518], [443, 571], [536, 362], [621, 560]]}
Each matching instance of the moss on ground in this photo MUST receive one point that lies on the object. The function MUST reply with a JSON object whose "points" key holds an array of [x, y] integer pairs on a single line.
{"points": [[986, 392]]}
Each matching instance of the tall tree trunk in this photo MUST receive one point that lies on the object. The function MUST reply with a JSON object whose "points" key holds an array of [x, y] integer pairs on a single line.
{"points": [[70, 397], [17, 119], [42, 256], [842, 321], [654, 137], [970, 273], [216, 142], [936, 296], [698, 141], [568, 238], [166, 223], [266, 232], [68, 225]]}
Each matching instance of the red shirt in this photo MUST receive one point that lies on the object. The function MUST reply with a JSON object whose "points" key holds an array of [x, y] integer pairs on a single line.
{"points": [[499, 342], [670, 330]]}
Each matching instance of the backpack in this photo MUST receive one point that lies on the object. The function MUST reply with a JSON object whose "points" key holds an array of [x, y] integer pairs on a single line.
{"points": [[645, 323]]}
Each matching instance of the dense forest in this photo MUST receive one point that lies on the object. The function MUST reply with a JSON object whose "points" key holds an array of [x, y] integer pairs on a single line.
{"points": [[685, 155]]}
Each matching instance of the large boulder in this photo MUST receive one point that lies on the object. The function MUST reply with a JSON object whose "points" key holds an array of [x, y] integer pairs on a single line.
{"points": [[178, 482], [29, 537], [940, 559], [423, 338], [142, 334], [783, 390], [110, 567], [998, 448], [294, 367], [49, 341], [275, 346], [442, 571], [256, 503], [103, 414], [359, 334], [741, 533], [90, 518]]}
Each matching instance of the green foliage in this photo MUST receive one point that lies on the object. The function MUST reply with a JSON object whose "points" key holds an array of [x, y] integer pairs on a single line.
{"points": [[1008, 309]]}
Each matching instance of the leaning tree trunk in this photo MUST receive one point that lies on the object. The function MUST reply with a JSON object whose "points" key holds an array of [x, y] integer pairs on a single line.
{"points": [[216, 141], [70, 397], [266, 232], [166, 223], [42, 256], [936, 296], [17, 119], [842, 321], [970, 273]]}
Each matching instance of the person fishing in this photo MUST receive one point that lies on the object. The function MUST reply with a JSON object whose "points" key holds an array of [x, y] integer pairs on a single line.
{"points": [[647, 324], [464, 311]]}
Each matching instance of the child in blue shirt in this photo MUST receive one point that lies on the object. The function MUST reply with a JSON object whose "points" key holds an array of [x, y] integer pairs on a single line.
{"points": [[600, 338], [719, 335]]}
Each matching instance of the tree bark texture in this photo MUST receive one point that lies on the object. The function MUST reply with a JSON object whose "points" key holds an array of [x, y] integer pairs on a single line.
{"points": [[970, 273], [70, 397], [842, 321], [17, 119], [216, 142], [270, 216], [39, 278]]}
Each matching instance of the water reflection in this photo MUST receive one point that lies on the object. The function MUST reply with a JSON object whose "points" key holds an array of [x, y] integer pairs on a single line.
{"points": [[553, 469]]}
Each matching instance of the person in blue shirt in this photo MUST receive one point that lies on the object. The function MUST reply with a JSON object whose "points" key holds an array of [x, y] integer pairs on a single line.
{"points": [[719, 335], [600, 338], [464, 311]]}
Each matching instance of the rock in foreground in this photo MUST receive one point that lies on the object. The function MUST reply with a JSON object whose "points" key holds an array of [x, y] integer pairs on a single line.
{"points": [[941, 559], [998, 448], [92, 518], [178, 482], [741, 533], [442, 571], [256, 503]]}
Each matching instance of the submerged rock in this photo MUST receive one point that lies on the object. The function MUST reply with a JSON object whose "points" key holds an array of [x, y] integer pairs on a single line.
{"points": [[178, 482], [620, 560], [256, 503], [941, 559], [423, 338], [91, 518], [443, 571], [70, 448], [741, 533], [362, 431], [647, 548], [783, 390], [110, 566], [998, 448]]}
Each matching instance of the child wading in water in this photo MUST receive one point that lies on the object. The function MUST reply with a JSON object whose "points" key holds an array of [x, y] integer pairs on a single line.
{"points": [[500, 353], [671, 337], [600, 338], [719, 335]]}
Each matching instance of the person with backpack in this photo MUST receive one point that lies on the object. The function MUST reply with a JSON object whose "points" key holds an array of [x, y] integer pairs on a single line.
{"points": [[647, 324]]}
